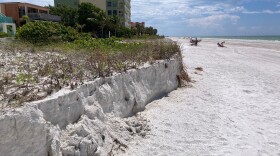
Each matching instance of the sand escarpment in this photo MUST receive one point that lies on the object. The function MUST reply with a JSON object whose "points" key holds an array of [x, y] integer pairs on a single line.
{"points": [[74, 122]]}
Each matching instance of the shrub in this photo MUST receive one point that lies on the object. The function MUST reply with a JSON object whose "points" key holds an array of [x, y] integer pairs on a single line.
{"points": [[3, 34], [68, 34], [42, 32], [125, 32]]}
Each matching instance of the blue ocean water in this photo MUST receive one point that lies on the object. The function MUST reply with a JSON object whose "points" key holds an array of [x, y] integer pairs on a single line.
{"points": [[267, 38]]}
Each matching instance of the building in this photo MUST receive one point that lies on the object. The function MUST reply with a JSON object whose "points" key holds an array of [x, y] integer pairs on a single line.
{"points": [[17, 10], [7, 24], [120, 8], [75, 3], [134, 24]]}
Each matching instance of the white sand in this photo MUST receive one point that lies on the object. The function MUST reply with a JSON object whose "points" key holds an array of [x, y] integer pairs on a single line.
{"points": [[233, 107]]}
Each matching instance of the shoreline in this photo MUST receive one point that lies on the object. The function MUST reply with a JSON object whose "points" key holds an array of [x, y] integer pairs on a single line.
{"points": [[234, 43], [246, 40], [232, 39]]}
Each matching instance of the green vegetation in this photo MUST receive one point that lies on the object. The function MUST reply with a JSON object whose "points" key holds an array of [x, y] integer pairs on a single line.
{"points": [[25, 19], [91, 19], [44, 32], [47, 56], [3, 34], [32, 71], [69, 16]]}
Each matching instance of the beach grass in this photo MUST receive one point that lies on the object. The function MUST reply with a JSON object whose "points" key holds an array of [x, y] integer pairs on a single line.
{"points": [[31, 72]]}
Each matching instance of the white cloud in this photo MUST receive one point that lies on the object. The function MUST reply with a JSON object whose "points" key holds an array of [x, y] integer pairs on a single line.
{"points": [[212, 21], [237, 9], [144, 9], [262, 12], [268, 12]]}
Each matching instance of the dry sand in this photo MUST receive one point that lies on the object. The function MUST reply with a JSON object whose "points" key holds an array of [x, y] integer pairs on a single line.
{"points": [[233, 107]]}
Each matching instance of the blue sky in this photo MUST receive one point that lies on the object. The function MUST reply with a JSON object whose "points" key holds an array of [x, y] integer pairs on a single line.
{"points": [[204, 17]]}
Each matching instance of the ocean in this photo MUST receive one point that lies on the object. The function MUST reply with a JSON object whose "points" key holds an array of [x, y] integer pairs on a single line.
{"points": [[266, 38]]}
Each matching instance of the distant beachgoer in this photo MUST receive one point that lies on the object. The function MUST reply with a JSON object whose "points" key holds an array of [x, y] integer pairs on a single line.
{"points": [[221, 44]]}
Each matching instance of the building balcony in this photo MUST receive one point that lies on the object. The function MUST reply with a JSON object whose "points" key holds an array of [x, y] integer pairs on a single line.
{"points": [[44, 17]]}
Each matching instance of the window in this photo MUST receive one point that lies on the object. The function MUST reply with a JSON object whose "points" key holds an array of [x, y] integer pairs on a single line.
{"points": [[115, 12], [42, 11], [109, 4], [109, 12], [115, 4], [32, 10], [21, 11], [120, 13]]}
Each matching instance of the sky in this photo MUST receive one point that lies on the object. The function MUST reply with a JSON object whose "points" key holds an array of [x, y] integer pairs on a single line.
{"points": [[204, 17]]}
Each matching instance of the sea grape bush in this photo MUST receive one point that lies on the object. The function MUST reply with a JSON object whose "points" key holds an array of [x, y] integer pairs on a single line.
{"points": [[44, 32]]}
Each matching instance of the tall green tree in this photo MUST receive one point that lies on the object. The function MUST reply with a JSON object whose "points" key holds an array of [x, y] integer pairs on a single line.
{"points": [[68, 15], [155, 31], [102, 20], [115, 24], [150, 31], [25, 18], [124, 32], [140, 29], [92, 17]]}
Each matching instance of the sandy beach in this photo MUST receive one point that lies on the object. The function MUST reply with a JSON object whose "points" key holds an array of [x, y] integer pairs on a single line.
{"points": [[232, 107]]}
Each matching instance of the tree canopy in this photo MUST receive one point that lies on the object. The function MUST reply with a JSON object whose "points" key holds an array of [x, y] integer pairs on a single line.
{"points": [[68, 15], [91, 19]]}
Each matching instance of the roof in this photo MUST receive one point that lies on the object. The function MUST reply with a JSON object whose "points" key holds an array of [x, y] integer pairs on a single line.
{"points": [[5, 19], [22, 3]]}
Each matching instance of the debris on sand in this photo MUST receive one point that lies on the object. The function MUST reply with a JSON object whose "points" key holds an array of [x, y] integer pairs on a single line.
{"points": [[199, 68]]}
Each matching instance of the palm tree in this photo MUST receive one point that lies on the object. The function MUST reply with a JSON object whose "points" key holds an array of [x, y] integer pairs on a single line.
{"points": [[79, 27], [116, 22], [100, 19], [140, 29], [25, 18]]}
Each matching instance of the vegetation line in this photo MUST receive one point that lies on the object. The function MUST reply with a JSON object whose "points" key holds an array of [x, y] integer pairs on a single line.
{"points": [[47, 56]]}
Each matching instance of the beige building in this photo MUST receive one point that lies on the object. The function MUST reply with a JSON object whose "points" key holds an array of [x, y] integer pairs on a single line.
{"points": [[120, 8], [99, 3], [75, 3]]}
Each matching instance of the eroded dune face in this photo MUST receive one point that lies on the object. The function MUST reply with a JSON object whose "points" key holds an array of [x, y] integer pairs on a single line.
{"points": [[75, 122]]}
